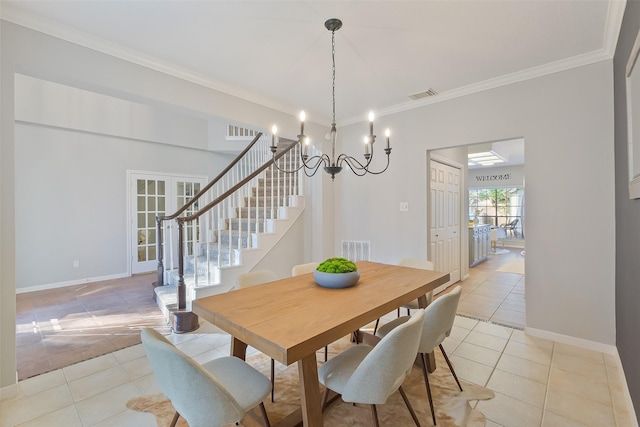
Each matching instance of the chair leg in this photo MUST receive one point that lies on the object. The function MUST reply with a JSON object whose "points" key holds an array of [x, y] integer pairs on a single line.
{"points": [[406, 402], [264, 415], [374, 414], [426, 383], [453, 372], [273, 378], [398, 311], [326, 352], [325, 397], [375, 328], [174, 420]]}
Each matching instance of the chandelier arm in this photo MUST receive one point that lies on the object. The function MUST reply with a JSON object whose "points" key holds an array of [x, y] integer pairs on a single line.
{"points": [[358, 171], [314, 169], [353, 162], [320, 159], [383, 170], [275, 163]]}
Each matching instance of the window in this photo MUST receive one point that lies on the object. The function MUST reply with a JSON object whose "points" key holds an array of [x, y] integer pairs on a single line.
{"points": [[501, 207]]}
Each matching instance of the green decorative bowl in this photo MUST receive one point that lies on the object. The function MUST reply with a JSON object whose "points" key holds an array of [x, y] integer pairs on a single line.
{"points": [[336, 280]]}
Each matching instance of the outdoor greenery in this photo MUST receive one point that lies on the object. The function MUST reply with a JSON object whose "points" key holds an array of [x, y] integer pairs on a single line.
{"points": [[337, 265], [497, 205]]}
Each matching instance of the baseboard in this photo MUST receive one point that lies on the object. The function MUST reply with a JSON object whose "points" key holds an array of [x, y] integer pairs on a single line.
{"points": [[627, 395], [595, 346], [577, 342], [10, 390], [70, 283]]}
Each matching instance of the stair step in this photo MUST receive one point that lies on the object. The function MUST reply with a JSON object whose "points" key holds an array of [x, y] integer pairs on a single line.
{"points": [[260, 200], [253, 224], [223, 236], [259, 191], [257, 213]]}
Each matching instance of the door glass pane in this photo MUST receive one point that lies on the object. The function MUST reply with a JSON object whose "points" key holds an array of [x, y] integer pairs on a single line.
{"points": [[151, 187], [140, 186], [161, 188]]}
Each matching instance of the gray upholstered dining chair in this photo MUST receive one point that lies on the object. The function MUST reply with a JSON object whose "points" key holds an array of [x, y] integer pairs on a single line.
{"points": [[214, 394], [438, 321], [412, 305], [253, 278], [304, 268], [369, 375], [421, 264]]}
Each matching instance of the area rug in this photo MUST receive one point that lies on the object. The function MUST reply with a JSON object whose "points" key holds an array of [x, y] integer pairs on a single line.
{"points": [[516, 265], [499, 251], [453, 408]]}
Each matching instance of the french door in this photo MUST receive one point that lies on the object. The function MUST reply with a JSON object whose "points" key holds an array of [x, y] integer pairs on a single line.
{"points": [[154, 195], [444, 221]]}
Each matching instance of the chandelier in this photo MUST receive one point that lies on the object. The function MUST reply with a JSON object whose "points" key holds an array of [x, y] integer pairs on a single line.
{"points": [[332, 164]]}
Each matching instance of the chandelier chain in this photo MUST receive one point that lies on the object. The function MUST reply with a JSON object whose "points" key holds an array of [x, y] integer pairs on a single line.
{"points": [[331, 165], [333, 71]]}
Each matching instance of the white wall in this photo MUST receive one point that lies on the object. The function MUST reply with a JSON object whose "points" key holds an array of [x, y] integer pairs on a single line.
{"points": [[34, 54], [567, 121]]}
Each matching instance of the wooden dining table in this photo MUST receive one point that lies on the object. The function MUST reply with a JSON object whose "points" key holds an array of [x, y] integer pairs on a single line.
{"points": [[290, 319]]}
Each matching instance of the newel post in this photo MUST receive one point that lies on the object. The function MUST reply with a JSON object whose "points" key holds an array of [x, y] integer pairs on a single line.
{"points": [[181, 319]]}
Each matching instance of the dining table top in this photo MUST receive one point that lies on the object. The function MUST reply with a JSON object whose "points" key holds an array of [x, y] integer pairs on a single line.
{"points": [[290, 318]]}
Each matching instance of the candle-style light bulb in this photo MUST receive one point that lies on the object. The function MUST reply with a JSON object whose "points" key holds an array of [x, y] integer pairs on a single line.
{"points": [[371, 117], [387, 133], [366, 145], [274, 132], [305, 149], [303, 117]]}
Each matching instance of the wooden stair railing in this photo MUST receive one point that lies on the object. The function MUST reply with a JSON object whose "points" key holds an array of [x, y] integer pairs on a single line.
{"points": [[266, 202]]}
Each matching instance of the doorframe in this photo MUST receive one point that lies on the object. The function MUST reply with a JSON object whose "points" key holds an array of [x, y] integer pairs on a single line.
{"points": [[464, 231], [129, 220]]}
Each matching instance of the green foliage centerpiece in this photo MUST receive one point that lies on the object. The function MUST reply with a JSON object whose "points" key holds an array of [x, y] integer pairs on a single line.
{"points": [[336, 273]]}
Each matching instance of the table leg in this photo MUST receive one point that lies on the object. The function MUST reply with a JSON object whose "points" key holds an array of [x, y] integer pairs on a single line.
{"points": [[310, 391], [238, 348]]}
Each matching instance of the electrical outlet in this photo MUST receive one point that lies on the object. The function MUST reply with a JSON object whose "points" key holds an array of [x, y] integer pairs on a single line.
{"points": [[404, 206], [76, 263]]}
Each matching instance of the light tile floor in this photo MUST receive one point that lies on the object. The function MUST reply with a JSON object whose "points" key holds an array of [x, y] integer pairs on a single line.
{"points": [[537, 382], [489, 294]]}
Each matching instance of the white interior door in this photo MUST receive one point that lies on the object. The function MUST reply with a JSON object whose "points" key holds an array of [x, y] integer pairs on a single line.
{"points": [[154, 195], [444, 226]]}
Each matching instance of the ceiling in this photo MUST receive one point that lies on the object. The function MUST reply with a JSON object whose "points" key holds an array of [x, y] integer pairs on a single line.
{"points": [[278, 53]]}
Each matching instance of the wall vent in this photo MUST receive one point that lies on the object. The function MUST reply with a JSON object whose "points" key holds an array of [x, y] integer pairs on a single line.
{"points": [[427, 93], [239, 133], [356, 250]]}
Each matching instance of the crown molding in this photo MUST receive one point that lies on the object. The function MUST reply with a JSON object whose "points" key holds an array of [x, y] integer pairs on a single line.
{"points": [[613, 24], [43, 25]]}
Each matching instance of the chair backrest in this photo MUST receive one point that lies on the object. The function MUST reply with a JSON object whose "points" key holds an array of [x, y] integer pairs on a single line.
{"points": [[304, 268], [421, 264], [194, 392], [384, 369], [254, 278], [416, 263], [438, 320]]}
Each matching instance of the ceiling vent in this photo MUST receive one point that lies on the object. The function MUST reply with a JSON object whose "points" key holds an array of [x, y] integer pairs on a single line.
{"points": [[425, 94]]}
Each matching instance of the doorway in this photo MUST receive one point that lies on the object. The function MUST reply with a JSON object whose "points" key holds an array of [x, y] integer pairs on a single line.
{"points": [[152, 195]]}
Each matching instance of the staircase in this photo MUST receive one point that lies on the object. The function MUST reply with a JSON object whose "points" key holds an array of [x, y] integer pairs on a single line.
{"points": [[229, 226]]}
